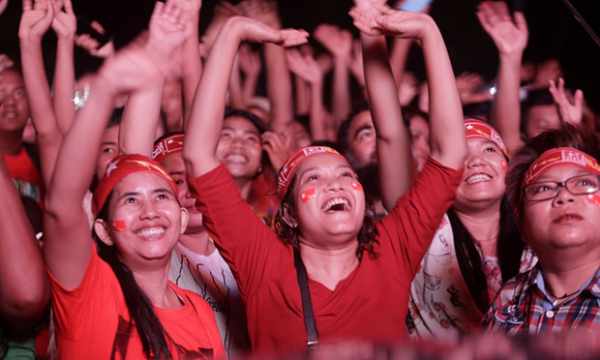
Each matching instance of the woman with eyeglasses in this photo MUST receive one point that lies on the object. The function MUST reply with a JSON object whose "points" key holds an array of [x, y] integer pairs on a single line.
{"points": [[554, 185]]}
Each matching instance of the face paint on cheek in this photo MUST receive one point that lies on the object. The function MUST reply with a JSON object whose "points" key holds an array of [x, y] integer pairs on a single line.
{"points": [[594, 199], [504, 165], [119, 225], [308, 194], [356, 186]]}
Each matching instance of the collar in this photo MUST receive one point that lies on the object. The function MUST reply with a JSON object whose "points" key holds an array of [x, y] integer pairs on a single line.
{"points": [[592, 286]]}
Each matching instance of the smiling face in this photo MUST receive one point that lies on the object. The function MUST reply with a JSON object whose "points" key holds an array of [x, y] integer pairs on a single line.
{"points": [[14, 108], [483, 179], [239, 147], [175, 167], [329, 201], [565, 222], [144, 218]]}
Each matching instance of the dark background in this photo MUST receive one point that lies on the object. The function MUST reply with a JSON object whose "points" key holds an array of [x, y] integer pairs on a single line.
{"points": [[553, 32]]}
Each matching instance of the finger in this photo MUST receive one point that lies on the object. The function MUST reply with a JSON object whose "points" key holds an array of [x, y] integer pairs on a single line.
{"points": [[521, 22], [561, 85], [27, 5], [579, 98], [68, 7]]}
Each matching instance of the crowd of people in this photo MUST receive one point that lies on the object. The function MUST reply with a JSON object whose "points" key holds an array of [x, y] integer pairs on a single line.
{"points": [[161, 207]]}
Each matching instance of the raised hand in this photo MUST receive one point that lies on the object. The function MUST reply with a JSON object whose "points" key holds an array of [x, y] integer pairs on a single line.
{"points": [[278, 147], [403, 24], [304, 66], [3, 4], [510, 34], [364, 16], [569, 107], [65, 22], [468, 85], [36, 19], [5, 62], [169, 27], [131, 69], [337, 41], [249, 61], [91, 45], [356, 63]]}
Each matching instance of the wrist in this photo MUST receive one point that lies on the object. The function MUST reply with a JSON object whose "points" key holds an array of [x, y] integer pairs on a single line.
{"points": [[29, 41], [511, 58]]}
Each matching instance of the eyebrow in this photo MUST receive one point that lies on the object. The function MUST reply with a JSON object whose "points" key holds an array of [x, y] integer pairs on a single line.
{"points": [[137, 193], [344, 166], [174, 173]]}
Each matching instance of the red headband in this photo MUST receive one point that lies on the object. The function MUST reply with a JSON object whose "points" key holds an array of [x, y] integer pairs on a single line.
{"points": [[286, 174], [558, 156], [119, 168], [479, 129], [166, 146]]}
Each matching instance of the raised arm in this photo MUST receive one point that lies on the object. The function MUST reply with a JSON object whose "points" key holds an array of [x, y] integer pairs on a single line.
{"points": [[35, 21], [339, 43], [68, 243], [142, 112], [191, 61], [279, 82], [65, 27], [510, 37], [250, 66], [448, 144], [209, 105], [21, 306], [393, 139], [307, 69]]}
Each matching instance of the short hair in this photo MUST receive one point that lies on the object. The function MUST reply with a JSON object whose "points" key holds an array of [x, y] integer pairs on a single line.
{"points": [[565, 136]]}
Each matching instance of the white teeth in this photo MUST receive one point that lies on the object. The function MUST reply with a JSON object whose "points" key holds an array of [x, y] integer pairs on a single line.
{"points": [[150, 232], [336, 201], [236, 158], [478, 178]]}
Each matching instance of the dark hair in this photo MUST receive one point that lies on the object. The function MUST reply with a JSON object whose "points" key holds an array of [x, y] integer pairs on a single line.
{"points": [[367, 235], [565, 136], [149, 327], [253, 119], [344, 129], [116, 117], [410, 111], [537, 97]]}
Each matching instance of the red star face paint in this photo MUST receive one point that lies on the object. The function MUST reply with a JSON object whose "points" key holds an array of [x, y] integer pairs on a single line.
{"points": [[356, 186], [308, 194], [119, 225], [594, 199]]}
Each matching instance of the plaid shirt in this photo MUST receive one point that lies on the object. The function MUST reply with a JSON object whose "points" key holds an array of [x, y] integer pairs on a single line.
{"points": [[523, 306]]}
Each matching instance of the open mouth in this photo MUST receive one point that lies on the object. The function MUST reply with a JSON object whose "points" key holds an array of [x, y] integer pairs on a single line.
{"points": [[336, 204], [236, 158], [478, 178], [150, 233]]}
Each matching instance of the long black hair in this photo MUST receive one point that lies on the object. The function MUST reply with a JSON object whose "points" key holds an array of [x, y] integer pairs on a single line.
{"points": [[149, 328]]}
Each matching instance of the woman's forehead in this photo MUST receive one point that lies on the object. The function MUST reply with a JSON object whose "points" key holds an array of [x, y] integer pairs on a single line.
{"points": [[324, 160]]}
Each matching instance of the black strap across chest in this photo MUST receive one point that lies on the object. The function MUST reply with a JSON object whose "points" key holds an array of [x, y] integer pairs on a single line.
{"points": [[307, 308]]}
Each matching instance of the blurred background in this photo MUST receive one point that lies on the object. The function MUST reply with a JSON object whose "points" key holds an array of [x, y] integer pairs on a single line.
{"points": [[553, 32]]}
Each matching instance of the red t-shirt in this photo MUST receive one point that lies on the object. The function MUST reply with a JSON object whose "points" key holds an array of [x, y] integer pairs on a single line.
{"points": [[25, 174], [370, 304], [92, 321]]}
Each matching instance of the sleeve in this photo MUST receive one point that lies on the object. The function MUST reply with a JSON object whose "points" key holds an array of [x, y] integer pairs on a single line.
{"points": [[250, 247], [410, 226], [77, 310]]}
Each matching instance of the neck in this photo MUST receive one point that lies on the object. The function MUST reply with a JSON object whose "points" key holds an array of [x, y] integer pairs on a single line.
{"points": [[329, 266], [154, 282], [245, 186], [483, 224], [565, 277], [10, 142], [198, 242]]}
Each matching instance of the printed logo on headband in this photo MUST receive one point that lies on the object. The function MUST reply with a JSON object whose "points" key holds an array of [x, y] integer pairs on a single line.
{"points": [[558, 156], [169, 145], [291, 165], [479, 129]]}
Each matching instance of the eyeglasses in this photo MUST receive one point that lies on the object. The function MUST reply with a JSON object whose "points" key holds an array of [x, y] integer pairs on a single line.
{"points": [[576, 185]]}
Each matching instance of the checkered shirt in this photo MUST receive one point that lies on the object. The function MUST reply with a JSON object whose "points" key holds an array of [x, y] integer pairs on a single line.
{"points": [[523, 306]]}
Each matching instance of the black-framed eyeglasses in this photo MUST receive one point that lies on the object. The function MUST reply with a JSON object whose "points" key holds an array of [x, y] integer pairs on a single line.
{"points": [[576, 185]]}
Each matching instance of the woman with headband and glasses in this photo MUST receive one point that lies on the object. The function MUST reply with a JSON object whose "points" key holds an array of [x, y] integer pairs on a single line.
{"points": [[554, 186]]}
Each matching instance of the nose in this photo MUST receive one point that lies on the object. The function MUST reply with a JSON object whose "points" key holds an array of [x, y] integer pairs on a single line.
{"points": [[473, 161], [149, 211], [563, 196]]}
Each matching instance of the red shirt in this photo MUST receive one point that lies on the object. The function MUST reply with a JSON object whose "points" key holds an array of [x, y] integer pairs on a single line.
{"points": [[370, 304], [25, 174], [93, 322]]}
